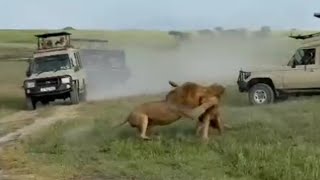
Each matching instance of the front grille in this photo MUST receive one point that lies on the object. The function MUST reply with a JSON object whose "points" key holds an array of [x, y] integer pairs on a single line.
{"points": [[243, 75], [240, 77], [47, 82]]}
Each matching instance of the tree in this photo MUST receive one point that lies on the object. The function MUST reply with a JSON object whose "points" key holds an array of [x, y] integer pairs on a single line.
{"points": [[68, 28], [219, 29], [181, 36]]}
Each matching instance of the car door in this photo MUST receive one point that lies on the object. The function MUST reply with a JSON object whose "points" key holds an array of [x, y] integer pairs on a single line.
{"points": [[80, 73], [313, 70], [304, 75]]}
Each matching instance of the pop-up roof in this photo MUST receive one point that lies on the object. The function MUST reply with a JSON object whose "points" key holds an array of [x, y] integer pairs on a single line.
{"points": [[53, 40]]}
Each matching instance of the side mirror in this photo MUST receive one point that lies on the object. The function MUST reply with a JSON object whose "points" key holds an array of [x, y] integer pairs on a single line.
{"points": [[76, 68], [28, 73]]}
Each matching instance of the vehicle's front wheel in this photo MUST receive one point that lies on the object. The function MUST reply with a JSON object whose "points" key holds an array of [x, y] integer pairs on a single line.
{"points": [[30, 103], [74, 95], [83, 96], [260, 94]]}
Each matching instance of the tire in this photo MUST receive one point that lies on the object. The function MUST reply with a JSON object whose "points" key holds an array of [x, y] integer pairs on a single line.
{"points": [[83, 96], [30, 103], [261, 94], [45, 102], [74, 94]]}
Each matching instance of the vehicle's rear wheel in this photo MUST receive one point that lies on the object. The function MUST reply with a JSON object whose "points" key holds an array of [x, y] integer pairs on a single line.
{"points": [[45, 102], [30, 103], [261, 94], [74, 95]]}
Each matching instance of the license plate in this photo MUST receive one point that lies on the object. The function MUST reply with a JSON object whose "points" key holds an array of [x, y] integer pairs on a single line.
{"points": [[46, 89]]}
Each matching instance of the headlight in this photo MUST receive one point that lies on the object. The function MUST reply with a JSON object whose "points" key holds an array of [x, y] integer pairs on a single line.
{"points": [[30, 84], [65, 80]]}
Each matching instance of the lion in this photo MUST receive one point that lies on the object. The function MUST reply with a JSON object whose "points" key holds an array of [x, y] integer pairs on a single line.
{"points": [[212, 113], [160, 113], [190, 94]]}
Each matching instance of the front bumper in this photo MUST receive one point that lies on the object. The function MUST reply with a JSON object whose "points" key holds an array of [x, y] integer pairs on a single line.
{"points": [[50, 86], [36, 91], [242, 86]]}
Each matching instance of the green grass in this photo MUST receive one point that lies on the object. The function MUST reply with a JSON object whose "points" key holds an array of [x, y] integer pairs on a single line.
{"points": [[271, 142], [11, 80], [279, 141]]}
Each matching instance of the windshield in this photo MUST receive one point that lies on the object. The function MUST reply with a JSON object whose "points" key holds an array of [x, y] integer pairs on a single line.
{"points": [[51, 63]]}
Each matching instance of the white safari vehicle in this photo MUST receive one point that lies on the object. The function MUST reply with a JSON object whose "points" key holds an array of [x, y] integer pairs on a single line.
{"points": [[55, 72]]}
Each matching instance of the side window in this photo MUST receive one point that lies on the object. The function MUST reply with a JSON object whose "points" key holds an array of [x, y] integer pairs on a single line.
{"points": [[77, 60], [304, 57], [309, 56]]}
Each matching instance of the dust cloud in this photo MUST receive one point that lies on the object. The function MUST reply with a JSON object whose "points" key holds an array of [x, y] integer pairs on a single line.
{"points": [[199, 60]]}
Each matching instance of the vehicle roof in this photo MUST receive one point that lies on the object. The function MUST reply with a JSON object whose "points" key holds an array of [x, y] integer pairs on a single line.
{"points": [[311, 42], [55, 52], [46, 35], [55, 49], [89, 40]]}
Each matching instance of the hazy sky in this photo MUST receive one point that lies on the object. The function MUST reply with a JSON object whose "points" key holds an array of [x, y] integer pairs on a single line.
{"points": [[158, 14]]}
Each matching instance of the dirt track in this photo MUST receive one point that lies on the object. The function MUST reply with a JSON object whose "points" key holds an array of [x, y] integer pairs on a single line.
{"points": [[60, 113]]}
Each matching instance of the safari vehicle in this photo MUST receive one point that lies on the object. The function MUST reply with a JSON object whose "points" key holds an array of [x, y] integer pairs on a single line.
{"points": [[301, 75], [55, 71], [104, 66]]}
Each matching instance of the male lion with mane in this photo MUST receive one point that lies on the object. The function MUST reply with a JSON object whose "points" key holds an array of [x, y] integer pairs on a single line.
{"points": [[159, 113], [190, 94]]}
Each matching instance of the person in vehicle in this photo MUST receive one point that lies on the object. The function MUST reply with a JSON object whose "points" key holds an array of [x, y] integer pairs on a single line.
{"points": [[309, 57], [60, 42]]}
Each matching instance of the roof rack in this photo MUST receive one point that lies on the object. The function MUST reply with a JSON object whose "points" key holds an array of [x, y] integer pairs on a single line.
{"points": [[46, 35], [84, 43], [89, 40], [308, 36]]}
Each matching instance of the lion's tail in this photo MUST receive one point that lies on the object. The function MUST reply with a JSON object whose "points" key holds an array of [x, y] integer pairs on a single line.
{"points": [[124, 122], [173, 84]]}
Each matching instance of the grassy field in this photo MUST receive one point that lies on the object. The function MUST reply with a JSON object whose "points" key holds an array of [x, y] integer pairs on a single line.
{"points": [[278, 141]]}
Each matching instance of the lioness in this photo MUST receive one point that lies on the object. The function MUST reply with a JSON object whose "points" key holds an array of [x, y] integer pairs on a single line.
{"points": [[190, 94], [159, 113]]}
